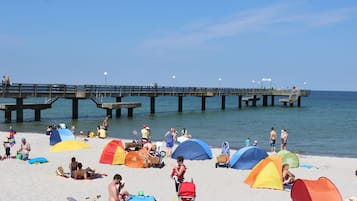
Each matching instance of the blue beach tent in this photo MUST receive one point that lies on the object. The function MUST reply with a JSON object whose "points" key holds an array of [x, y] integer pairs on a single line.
{"points": [[55, 137], [193, 149], [66, 134], [247, 157]]}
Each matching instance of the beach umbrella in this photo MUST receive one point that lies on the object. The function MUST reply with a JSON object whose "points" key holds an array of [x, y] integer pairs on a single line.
{"points": [[69, 145]]}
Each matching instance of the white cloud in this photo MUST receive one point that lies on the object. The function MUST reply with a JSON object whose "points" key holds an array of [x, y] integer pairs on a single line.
{"points": [[254, 20]]}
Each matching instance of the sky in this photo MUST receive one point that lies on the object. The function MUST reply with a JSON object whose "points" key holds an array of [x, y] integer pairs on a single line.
{"points": [[229, 43]]}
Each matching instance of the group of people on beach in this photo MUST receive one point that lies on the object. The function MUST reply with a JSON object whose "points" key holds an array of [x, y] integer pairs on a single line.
{"points": [[22, 153], [118, 193], [274, 136], [171, 137]]}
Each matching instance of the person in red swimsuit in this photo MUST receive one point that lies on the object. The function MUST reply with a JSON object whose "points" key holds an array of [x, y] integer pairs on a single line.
{"points": [[178, 172]]}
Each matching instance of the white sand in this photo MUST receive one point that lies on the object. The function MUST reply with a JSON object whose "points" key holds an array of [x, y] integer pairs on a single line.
{"points": [[21, 181]]}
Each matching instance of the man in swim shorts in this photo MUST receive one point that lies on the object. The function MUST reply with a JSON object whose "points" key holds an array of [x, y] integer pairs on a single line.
{"points": [[272, 140]]}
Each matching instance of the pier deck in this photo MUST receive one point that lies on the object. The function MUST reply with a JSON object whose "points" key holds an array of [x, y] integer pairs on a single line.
{"points": [[53, 92]]}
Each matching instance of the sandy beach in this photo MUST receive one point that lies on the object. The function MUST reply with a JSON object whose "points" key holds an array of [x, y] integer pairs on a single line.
{"points": [[22, 181]]}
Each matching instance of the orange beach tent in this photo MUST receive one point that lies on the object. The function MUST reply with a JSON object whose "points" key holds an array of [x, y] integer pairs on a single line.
{"points": [[135, 159], [113, 153], [266, 174], [314, 190]]}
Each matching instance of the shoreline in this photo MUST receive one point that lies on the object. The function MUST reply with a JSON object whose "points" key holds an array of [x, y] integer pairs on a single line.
{"points": [[39, 182], [213, 147]]}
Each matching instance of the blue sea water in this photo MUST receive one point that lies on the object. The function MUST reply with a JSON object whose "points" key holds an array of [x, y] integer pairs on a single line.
{"points": [[325, 124]]}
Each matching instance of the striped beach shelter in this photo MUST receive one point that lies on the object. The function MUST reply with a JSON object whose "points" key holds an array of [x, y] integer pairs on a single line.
{"points": [[113, 153]]}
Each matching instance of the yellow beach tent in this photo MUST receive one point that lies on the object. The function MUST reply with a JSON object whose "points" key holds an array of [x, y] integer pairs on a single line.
{"points": [[69, 145], [266, 174]]}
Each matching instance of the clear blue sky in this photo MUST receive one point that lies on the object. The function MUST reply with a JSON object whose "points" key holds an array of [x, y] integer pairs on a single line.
{"points": [[226, 43]]}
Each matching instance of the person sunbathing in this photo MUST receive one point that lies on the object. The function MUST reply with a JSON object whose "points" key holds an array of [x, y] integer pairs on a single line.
{"points": [[80, 173], [288, 177]]}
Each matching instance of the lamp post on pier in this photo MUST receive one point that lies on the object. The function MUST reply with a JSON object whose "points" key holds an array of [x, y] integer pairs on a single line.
{"points": [[173, 83], [105, 82]]}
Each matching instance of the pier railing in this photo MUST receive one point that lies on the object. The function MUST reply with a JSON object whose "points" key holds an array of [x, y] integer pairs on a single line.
{"points": [[23, 90]]}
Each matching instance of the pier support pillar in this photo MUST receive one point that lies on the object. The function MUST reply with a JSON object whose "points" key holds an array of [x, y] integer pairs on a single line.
{"points": [[203, 103], [19, 110], [37, 115], [130, 112], [152, 104], [223, 104], [8, 116], [118, 111], [180, 103], [75, 108], [239, 102], [254, 102], [265, 100], [272, 100], [109, 112], [299, 101]]}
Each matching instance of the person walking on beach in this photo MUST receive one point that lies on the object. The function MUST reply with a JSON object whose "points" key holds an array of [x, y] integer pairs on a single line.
{"points": [[178, 172], [284, 139], [273, 136], [117, 193]]}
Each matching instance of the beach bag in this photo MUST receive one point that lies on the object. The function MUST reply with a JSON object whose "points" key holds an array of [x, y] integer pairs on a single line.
{"points": [[18, 156]]}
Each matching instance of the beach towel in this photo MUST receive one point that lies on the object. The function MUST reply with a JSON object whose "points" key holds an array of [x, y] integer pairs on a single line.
{"points": [[37, 160], [142, 198]]}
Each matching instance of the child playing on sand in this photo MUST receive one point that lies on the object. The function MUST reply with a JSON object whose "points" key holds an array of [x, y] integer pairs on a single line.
{"points": [[7, 148]]}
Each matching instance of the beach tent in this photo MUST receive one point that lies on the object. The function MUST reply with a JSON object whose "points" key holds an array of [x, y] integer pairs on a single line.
{"points": [[266, 174], [55, 137], [247, 157], [134, 159], [289, 158], [314, 190], [113, 153], [69, 145], [193, 149], [66, 134]]}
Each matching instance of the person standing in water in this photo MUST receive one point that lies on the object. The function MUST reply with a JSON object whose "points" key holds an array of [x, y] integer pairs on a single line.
{"points": [[273, 136]]}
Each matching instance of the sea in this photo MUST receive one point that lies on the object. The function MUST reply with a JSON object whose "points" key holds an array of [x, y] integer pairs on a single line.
{"points": [[325, 124]]}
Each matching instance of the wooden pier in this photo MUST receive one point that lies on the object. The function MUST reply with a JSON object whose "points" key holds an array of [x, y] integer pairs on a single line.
{"points": [[52, 92]]}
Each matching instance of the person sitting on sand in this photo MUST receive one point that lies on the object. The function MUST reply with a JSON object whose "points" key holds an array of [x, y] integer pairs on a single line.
{"points": [[73, 166], [84, 173], [185, 133], [288, 177], [24, 149], [116, 189], [80, 173]]}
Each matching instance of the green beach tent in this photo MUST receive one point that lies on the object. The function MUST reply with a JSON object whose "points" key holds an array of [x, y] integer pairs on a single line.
{"points": [[290, 158]]}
